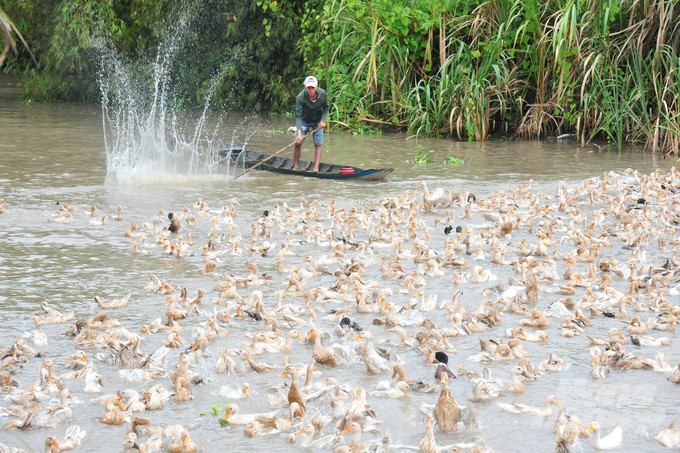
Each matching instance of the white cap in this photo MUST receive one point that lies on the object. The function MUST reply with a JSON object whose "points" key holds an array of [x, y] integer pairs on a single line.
{"points": [[311, 81]]}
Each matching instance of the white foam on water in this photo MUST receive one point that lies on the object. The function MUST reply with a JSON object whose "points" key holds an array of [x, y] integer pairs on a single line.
{"points": [[147, 140]]}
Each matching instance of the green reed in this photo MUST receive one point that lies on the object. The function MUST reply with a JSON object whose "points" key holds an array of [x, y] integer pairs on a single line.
{"points": [[473, 69], [527, 68]]}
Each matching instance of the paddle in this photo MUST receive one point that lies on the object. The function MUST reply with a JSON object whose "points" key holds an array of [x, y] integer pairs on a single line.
{"points": [[263, 161]]}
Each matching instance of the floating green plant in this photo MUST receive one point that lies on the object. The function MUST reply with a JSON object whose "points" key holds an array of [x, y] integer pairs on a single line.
{"points": [[453, 160], [215, 410], [421, 157]]}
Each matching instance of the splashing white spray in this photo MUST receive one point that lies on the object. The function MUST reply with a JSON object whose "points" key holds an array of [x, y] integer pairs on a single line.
{"points": [[146, 142]]}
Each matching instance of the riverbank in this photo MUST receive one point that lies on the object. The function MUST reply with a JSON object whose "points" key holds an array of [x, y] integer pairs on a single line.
{"points": [[463, 69]]}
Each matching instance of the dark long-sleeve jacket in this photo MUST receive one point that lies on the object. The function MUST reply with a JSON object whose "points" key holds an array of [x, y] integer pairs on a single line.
{"points": [[311, 112]]}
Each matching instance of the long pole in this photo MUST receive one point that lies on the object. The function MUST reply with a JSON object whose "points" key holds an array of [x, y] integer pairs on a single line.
{"points": [[263, 161]]}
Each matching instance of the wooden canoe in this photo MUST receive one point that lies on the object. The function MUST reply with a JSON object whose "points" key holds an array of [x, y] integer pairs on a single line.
{"points": [[246, 158]]}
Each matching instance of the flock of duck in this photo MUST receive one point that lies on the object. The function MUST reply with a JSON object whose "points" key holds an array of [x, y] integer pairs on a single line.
{"points": [[345, 299]]}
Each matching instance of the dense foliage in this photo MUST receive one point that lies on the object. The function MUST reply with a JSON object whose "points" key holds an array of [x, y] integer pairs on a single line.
{"points": [[251, 51], [469, 68], [529, 68]]}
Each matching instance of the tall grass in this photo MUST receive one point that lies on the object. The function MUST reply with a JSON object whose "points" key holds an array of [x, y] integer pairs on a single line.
{"points": [[602, 69]]}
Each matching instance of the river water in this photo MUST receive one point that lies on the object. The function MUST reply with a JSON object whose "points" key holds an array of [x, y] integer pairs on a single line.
{"points": [[54, 153]]}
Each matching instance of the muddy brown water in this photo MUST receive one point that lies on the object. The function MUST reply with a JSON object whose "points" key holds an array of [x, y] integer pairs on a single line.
{"points": [[54, 153]]}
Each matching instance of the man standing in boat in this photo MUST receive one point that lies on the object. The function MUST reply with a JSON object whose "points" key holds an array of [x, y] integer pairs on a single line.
{"points": [[311, 112]]}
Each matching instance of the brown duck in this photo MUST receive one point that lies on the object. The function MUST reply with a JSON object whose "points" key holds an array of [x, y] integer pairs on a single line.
{"points": [[174, 223], [322, 355], [531, 283], [294, 394], [414, 384], [113, 415], [447, 411]]}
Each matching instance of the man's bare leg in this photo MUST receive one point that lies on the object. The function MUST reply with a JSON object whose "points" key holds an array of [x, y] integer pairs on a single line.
{"points": [[296, 156], [317, 157]]}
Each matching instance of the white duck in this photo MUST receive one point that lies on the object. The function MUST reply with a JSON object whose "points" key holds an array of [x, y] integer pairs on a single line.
{"points": [[231, 393], [538, 337], [669, 437], [400, 390], [514, 385], [660, 365], [517, 408], [553, 363], [374, 362], [428, 305], [233, 416], [609, 442], [93, 382]]}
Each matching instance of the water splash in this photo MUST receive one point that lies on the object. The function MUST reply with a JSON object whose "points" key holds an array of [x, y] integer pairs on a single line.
{"points": [[147, 140]]}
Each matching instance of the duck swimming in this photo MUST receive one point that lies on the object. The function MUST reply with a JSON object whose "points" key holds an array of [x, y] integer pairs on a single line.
{"points": [[374, 362], [517, 408], [52, 316], [356, 445], [294, 394], [73, 437], [174, 224], [609, 442], [446, 411], [113, 415], [259, 367], [612, 335], [320, 354], [429, 444], [414, 384], [669, 437], [577, 219], [182, 444], [553, 363], [478, 393], [515, 385], [442, 367], [234, 417]]}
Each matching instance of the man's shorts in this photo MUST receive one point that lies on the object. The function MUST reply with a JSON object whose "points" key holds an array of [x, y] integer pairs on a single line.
{"points": [[317, 136]]}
